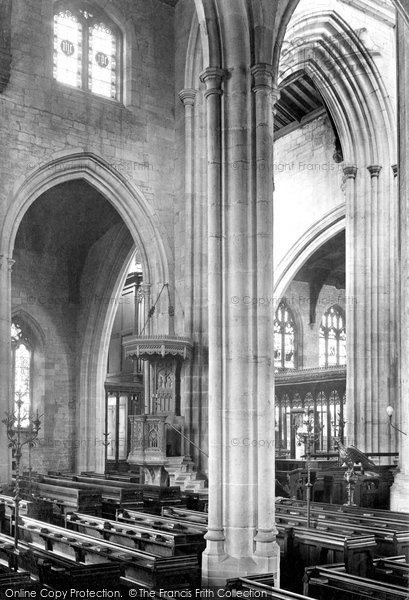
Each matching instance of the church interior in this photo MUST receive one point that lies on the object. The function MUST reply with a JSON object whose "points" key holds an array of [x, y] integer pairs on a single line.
{"points": [[204, 268]]}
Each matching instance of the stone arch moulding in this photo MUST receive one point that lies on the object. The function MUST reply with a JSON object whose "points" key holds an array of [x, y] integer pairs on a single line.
{"points": [[304, 248], [32, 324], [348, 80], [129, 202], [140, 229]]}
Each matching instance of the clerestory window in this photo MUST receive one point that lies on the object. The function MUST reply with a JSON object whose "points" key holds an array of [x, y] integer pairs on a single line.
{"points": [[87, 51]]}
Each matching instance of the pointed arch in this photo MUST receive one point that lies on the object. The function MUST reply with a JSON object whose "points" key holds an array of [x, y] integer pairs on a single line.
{"points": [[322, 44], [127, 199]]}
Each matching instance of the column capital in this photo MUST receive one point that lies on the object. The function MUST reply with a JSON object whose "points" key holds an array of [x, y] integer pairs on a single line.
{"points": [[350, 171], [262, 75], [374, 170], [395, 170], [213, 77], [188, 96], [6, 263]]}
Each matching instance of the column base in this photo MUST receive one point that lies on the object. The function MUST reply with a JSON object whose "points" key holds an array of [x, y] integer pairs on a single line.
{"points": [[217, 566], [400, 493]]}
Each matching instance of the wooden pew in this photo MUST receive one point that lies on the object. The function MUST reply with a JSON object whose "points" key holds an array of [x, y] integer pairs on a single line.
{"points": [[260, 586], [113, 495], [392, 570], [195, 500], [38, 509], [193, 516], [350, 510], [163, 542], [153, 496], [310, 547], [331, 584], [70, 499], [158, 522], [138, 568], [54, 570], [341, 516], [389, 542]]}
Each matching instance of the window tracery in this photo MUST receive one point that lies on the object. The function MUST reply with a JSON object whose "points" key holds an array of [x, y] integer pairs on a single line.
{"points": [[332, 338], [284, 338]]}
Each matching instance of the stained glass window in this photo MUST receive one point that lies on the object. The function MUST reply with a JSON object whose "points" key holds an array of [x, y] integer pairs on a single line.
{"points": [[284, 338], [102, 56], [332, 340], [86, 52], [68, 48], [22, 356]]}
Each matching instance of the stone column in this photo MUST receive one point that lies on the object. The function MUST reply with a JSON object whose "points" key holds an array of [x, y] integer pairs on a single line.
{"points": [[146, 289], [6, 265], [241, 411], [214, 552], [190, 412], [370, 304], [188, 96], [352, 291], [265, 538], [400, 488]]}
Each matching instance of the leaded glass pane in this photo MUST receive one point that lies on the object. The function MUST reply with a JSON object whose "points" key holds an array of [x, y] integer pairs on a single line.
{"points": [[332, 339], [102, 61], [67, 48], [322, 349], [22, 363], [284, 336]]}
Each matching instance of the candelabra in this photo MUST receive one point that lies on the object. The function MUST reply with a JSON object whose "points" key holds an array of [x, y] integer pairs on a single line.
{"points": [[22, 430], [106, 443], [307, 434]]}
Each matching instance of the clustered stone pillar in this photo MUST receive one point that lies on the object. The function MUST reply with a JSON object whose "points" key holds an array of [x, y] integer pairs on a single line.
{"points": [[6, 265], [188, 96], [371, 225], [400, 488], [265, 539], [190, 412], [214, 552], [242, 537], [353, 279]]}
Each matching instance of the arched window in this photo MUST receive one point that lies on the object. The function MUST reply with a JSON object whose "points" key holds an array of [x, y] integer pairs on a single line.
{"points": [[284, 338], [22, 357], [332, 342], [87, 51]]}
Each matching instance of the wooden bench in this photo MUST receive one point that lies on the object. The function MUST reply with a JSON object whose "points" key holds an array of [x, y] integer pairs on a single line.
{"points": [[192, 516], [389, 542], [335, 515], [113, 495], [331, 584], [392, 570], [163, 542], [38, 509], [158, 522], [195, 500], [56, 571], [70, 499], [138, 568], [260, 586], [153, 496], [350, 510]]}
